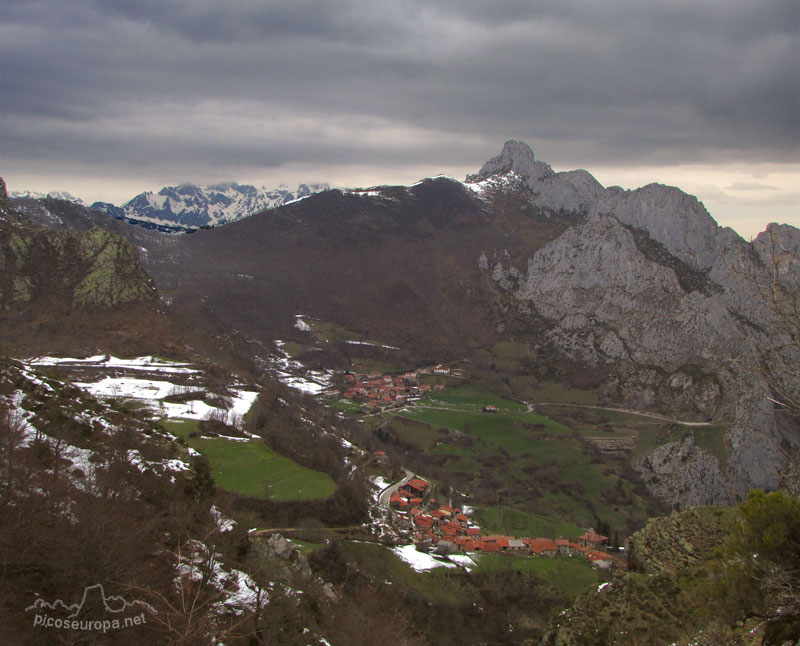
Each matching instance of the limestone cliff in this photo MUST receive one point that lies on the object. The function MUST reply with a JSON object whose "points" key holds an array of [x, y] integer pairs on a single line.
{"points": [[648, 285]]}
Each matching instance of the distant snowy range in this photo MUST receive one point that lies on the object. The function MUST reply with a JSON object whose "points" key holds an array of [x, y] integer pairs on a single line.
{"points": [[189, 206]]}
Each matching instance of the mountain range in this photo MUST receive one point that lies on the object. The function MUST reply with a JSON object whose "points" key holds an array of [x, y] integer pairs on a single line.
{"points": [[641, 289], [642, 358], [182, 208]]}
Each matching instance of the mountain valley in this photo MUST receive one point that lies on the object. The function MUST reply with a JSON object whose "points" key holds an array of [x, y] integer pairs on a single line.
{"points": [[584, 359]]}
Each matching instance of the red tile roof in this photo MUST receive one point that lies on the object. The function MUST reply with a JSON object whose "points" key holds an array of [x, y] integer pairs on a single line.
{"points": [[483, 546], [539, 545], [417, 484]]}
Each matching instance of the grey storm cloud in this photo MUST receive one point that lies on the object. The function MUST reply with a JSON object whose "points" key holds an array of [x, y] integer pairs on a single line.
{"points": [[628, 81]]}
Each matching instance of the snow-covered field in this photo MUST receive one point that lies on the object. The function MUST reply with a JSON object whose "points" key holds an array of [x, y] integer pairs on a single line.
{"points": [[152, 392], [148, 363], [295, 375], [420, 561]]}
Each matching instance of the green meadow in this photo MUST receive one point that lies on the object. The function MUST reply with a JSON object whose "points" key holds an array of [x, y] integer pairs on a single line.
{"points": [[252, 469]]}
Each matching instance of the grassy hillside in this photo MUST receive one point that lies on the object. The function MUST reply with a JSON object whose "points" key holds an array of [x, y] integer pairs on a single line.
{"points": [[252, 469], [533, 465]]}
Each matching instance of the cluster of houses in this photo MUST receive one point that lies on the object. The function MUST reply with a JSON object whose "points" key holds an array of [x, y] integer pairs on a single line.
{"points": [[447, 530], [379, 390]]}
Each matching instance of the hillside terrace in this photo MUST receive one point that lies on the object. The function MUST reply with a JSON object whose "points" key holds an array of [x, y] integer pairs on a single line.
{"points": [[447, 530]]}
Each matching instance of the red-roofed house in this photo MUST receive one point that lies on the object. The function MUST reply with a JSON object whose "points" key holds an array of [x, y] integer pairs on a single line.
{"points": [[599, 559], [563, 546], [415, 486], [497, 539], [399, 500], [484, 546], [592, 539], [454, 526], [542, 546]]}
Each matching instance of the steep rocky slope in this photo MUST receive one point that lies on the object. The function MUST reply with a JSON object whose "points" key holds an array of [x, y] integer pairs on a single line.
{"points": [[647, 284]]}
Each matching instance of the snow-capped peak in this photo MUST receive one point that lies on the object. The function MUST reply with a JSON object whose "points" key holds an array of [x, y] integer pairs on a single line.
{"points": [[191, 206], [55, 195]]}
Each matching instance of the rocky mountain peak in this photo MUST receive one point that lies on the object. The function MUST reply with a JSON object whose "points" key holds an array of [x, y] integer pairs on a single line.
{"points": [[516, 157]]}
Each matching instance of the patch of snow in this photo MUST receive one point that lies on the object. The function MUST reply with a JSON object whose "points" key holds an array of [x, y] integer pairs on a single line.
{"points": [[148, 363], [301, 384], [300, 324], [177, 465], [224, 524], [380, 482], [374, 345], [420, 561], [243, 401], [128, 387], [463, 560]]}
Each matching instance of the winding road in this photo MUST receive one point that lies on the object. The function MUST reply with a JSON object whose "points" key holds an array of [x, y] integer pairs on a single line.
{"points": [[533, 405], [383, 499]]}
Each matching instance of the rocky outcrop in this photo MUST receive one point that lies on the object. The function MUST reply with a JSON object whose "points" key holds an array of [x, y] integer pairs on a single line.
{"points": [[680, 471], [516, 157]]}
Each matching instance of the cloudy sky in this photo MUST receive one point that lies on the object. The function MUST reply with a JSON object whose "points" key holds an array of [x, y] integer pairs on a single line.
{"points": [[107, 98]]}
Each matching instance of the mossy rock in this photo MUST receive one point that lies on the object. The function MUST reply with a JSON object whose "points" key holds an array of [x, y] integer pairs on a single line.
{"points": [[115, 276]]}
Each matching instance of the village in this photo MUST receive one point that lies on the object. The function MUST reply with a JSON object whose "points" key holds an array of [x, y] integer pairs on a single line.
{"points": [[440, 528], [378, 391], [445, 530]]}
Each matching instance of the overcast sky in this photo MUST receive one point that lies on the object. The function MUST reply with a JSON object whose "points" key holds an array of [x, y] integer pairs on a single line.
{"points": [[107, 98]]}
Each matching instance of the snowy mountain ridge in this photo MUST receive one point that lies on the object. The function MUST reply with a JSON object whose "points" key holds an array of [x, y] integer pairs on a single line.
{"points": [[55, 195], [190, 206]]}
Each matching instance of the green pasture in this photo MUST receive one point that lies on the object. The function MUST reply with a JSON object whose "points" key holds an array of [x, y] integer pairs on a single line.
{"points": [[516, 522], [449, 585], [571, 576], [252, 469]]}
